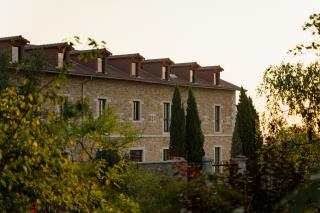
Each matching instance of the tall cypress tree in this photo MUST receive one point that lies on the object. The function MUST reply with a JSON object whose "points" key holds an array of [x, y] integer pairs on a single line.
{"points": [[246, 138], [177, 126], [194, 135]]}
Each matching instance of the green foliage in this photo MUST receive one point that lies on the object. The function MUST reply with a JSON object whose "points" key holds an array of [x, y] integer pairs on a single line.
{"points": [[177, 126], [47, 159], [156, 193], [194, 135], [247, 137]]}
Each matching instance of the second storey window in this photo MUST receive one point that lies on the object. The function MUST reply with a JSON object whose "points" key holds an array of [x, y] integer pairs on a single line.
{"points": [[15, 54], [134, 69], [60, 60], [166, 117], [136, 155], [136, 110], [102, 105], [217, 118], [191, 77]]}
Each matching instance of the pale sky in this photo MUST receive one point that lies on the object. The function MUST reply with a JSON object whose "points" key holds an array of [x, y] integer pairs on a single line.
{"points": [[243, 36]]}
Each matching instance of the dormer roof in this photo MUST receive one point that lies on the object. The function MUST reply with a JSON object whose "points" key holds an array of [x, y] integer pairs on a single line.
{"points": [[102, 50], [157, 60], [15, 38], [132, 56], [217, 68], [187, 64]]}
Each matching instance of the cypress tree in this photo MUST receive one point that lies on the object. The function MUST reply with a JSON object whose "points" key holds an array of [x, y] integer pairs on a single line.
{"points": [[194, 135], [177, 126], [246, 138]]}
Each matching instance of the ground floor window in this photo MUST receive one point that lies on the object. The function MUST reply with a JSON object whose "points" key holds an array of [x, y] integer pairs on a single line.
{"points": [[165, 154], [217, 159], [136, 155]]}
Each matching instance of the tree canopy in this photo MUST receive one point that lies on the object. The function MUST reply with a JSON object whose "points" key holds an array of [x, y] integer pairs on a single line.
{"points": [[194, 135], [177, 126]]}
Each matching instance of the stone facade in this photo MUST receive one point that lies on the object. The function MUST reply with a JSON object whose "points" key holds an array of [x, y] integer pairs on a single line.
{"points": [[121, 93], [122, 80]]}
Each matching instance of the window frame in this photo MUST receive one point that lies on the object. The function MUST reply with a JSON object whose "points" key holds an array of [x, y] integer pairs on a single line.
{"points": [[166, 121], [192, 76], [219, 130], [99, 111], [218, 169], [134, 69], [138, 149], [100, 67], [134, 117], [61, 57], [163, 149], [15, 58]]}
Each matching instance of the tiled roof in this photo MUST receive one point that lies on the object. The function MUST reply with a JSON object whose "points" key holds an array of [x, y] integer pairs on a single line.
{"points": [[144, 76]]}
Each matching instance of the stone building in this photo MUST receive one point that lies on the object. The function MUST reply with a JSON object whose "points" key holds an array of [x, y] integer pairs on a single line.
{"points": [[140, 90]]}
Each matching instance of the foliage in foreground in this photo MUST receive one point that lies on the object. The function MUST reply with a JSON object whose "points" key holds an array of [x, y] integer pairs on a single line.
{"points": [[47, 159]]}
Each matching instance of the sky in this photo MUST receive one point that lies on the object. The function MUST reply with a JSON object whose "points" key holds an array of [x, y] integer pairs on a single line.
{"points": [[242, 36]]}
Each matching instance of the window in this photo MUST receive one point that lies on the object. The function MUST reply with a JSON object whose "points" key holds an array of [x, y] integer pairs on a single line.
{"points": [[63, 107], [214, 78], [217, 118], [217, 159], [192, 80], [15, 54], [165, 154], [166, 117], [136, 155], [60, 60], [136, 110], [134, 69], [102, 103], [99, 65], [165, 73]]}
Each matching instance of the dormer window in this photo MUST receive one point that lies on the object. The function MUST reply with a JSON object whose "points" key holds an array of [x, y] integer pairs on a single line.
{"points": [[15, 54], [191, 77], [165, 73], [60, 60], [134, 69], [99, 65], [214, 78]]}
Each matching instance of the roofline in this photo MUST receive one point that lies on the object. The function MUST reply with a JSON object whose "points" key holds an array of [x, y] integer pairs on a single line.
{"points": [[187, 64], [45, 46], [74, 52], [132, 55], [214, 68], [218, 87], [18, 37], [158, 60]]}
